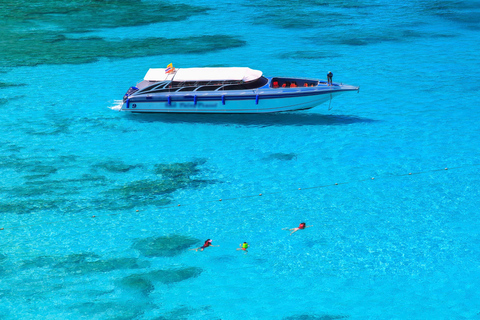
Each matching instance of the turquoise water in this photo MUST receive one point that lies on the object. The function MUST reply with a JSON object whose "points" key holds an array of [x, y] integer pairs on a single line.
{"points": [[99, 208]]}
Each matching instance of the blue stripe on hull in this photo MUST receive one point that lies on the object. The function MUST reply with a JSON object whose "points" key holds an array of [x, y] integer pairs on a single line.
{"points": [[245, 105]]}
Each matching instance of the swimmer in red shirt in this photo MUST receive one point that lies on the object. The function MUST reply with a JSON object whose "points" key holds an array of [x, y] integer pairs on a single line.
{"points": [[300, 227], [208, 243]]}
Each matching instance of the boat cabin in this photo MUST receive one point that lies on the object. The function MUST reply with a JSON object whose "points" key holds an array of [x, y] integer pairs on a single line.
{"points": [[201, 79]]}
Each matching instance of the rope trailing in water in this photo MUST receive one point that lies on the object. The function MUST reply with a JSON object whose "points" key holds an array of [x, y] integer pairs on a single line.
{"points": [[249, 196]]}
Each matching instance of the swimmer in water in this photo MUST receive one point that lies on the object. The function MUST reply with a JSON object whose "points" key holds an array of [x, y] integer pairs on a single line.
{"points": [[300, 227], [244, 247], [208, 243]]}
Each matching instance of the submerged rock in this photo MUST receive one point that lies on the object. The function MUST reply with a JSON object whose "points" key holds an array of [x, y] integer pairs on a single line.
{"points": [[171, 177], [38, 262], [315, 317], [165, 246], [115, 166], [282, 156], [165, 276], [138, 284], [82, 16], [118, 310], [37, 49], [150, 187], [178, 170], [6, 85], [174, 275], [28, 206], [106, 265], [128, 202], [186, 312], [81, 263]]}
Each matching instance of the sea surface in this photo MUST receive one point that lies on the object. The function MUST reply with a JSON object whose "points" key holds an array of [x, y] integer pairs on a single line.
{"points": [[99, 209]]}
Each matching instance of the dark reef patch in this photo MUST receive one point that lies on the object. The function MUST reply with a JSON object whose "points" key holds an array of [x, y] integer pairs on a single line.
{"points": [[374, 36], [137, 284], [309, 54], [45, 184], [466, 13], [150, 187], [28, 206], [38, 165], [320, 16], [311, 14], [83, 15], [166, 246], [179, 170], [165, 276], [118, 310], [48, 187], [83, 263], [104, 265], [171, 178], [173, 275], [185, 312], [45, 48], [7, 85], [126, 203], [56, 32], [315, 317], [115, 166], [300, 19], [282, 156]]}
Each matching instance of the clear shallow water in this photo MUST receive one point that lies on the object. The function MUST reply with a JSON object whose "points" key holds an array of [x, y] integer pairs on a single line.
{"points": [[396, 247]]}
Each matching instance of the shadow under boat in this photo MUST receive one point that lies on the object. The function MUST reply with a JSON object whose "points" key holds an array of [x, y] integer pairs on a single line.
{"points": [[264, 119]]}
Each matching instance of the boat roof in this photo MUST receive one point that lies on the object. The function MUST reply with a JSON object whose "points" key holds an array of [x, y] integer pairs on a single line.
{"points": [[203, 74]]}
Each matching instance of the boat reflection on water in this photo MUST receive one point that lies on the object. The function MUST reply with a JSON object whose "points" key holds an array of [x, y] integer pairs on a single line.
{"points": [[259, 120]]}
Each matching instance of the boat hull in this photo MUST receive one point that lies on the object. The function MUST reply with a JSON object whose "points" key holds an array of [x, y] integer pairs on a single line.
{"points": [[226, 104]]}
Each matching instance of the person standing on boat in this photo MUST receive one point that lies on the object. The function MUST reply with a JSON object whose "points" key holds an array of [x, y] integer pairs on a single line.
{"points": [[330, 78]]}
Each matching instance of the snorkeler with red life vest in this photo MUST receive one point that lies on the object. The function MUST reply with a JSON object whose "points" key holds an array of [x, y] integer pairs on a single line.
{"points": [[302, 226], [208, 243]]}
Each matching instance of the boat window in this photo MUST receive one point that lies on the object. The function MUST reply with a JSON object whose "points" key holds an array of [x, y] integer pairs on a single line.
{"points": [[260, 82], [187, 89], [158, 90], [207, 88], [153, 87], [277, 83]]}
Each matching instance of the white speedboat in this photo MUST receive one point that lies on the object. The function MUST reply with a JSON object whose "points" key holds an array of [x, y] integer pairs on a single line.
{"points": [[225, 90]]}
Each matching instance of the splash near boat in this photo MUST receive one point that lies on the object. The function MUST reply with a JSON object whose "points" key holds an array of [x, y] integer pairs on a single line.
{"points": [[225, 90]]}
